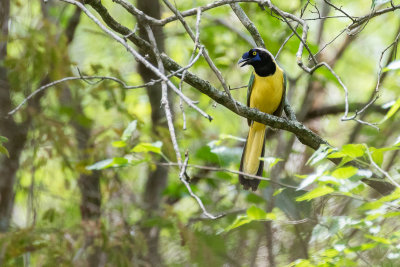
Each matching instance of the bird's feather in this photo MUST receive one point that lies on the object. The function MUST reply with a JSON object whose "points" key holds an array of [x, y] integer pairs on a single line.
{"points": [[267, 94]]}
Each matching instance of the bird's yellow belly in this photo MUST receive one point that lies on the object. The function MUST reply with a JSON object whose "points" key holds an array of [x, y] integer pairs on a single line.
{"points": [[267, 92]]}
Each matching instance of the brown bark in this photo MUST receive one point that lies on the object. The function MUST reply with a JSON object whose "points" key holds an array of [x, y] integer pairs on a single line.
{"points": [[89, 184], [16, 133]]}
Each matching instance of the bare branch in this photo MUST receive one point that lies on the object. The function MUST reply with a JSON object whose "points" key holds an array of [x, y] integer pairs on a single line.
{"points": [[164, 94], [217, 169], [305, 136], [44, 87], [186, 183], [373, 14], [137, 56], [284, 43], [196, 45], [256, 36], [303, 39], [248, 24], [340, 10], [385, 173], [168, 114], [336, 109], [205, 53]]}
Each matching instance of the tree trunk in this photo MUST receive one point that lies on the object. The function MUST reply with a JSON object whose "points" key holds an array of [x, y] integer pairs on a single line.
{"points": [[16, 133], [89, 184], [157, 178]]}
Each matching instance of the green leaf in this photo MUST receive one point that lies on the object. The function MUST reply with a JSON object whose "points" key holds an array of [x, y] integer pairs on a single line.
{"points": [[224, 175], [119, 161], [301, 263], [330, 253], [49, 215], [271, 161], [392, 110], [309, 180], [365, 246], [252, 214], [371, 205], [270, 216], [395, 195], [392, 214], [377, 155], [108, 163], [118, 143], [100, 165], [129, 131], [344, 172], [255, 213], [253, 198], [378, 239], [240, 220], [378, 2], [4, 150], [3, 139], [148, 147], [228, 136], [277, 192], [321, 153], [351, 150], [312, 177], [317, 192], [344, 160], [204, 153]]}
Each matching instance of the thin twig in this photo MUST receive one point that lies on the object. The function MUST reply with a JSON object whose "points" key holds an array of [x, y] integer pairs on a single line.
{"points": [[340, 10], [291, 35], [385, 173], [330, 42], [284, 43], [164, 94], [363, 19], [239, 87], [248, 24], [287, 17], [168, 114], [208, 59], [137, 56], [84, 78], [217, 169], [304, 135], [196, 45], [186, 183]]}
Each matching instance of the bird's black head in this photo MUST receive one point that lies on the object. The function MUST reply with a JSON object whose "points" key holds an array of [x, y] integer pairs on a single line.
{"points": [[262, 61]]}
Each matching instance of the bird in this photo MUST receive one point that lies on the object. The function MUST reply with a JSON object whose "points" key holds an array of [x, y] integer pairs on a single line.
{"points": [[266, 92]]}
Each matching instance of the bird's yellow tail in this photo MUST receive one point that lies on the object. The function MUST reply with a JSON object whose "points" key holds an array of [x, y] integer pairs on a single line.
{"points": [[253, 150]]}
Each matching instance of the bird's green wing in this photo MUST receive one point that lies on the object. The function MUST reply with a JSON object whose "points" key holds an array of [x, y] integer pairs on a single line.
{"points": [[279, 110], [249, 89]]}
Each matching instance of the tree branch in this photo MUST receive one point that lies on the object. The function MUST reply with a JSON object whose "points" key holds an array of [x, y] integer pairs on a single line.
{"points": [[337, 109], [244, 19], [305, 136]]}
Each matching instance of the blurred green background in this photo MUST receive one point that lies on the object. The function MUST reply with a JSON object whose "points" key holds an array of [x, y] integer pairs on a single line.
{"points": [[84, 138]]}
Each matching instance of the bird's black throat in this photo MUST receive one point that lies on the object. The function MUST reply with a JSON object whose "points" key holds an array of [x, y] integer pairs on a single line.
{"points": [[264, 68]]}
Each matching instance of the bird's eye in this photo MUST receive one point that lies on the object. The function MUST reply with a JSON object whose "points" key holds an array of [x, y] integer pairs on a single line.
{"points": [[254, 53]]}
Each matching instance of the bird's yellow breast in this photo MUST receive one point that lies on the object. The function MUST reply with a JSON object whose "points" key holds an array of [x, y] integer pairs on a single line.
{"points": [[266, 93]]}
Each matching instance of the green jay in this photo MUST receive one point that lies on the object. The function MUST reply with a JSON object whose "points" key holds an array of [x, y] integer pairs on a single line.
{"points": [[266, 92]]}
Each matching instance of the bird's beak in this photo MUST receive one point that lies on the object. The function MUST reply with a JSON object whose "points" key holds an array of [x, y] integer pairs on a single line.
{"points": [[245, 61]]}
